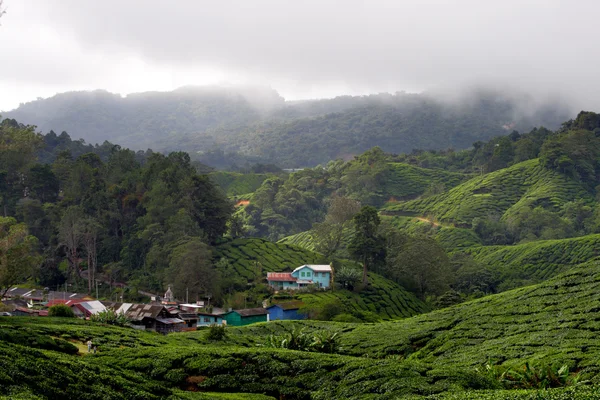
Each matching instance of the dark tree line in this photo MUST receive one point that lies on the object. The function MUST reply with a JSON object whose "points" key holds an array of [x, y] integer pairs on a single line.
{"points": [[110, 214]]}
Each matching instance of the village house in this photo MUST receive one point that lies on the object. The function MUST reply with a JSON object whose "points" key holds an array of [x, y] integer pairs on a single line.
{"points": [[86, 309], [208, 319], [246, 316], [151, 317], [304, 276], [288, 310]]}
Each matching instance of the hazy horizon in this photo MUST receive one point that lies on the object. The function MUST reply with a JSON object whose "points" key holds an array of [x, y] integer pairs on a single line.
{"points": [[308, 50]]}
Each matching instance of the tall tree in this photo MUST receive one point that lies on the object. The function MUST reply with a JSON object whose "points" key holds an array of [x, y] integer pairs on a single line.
{"points": [[367, 245], [89, 233], [18, 257], [191, 270], [70, 231], [329, 233]]}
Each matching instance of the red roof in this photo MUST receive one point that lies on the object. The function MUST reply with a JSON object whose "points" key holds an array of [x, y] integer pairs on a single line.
{"points": [[280, 277]]}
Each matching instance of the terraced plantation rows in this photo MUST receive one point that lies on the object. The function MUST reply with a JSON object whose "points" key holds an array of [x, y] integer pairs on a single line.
{"points": [[383, 297], [251, 256], [500, 193], [552, 323], [303, 239], [555, 322], [407, 181], [447, 235], [536, 261]]}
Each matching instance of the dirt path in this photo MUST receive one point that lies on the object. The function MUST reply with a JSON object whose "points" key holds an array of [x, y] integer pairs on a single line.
{"points": [[428, 220]]}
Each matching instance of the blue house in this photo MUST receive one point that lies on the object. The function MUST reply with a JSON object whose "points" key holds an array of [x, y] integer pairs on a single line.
{"points": [[207, 319], [287, 310], [320, 275]]}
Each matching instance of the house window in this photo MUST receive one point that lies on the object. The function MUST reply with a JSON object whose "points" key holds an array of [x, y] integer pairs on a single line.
{"points": [[323, 274], [206, 319], [302, 274]]}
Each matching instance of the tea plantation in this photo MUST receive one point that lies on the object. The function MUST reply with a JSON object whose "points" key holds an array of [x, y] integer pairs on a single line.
{"points": [[406, 181], [253, 258], [498, 193], [382, 297], [236, 184], [536, 261], [439, 355]]}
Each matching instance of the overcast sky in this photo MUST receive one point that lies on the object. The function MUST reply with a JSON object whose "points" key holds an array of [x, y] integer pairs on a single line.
{"points": [[303, 49]]}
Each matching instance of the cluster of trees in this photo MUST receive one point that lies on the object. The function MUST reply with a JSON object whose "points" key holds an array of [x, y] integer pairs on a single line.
{"points": [[151, 220], [229, 127]]}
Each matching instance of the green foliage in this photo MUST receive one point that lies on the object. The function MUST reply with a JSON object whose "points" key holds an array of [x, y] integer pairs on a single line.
{"points": [[536, 261], [367, 246], [18, 258], [218, 122], [381, 299], [110, 317], [317, 341], [531, 376], [61, 310], [236, 184], [503, 193], [216, 333]]}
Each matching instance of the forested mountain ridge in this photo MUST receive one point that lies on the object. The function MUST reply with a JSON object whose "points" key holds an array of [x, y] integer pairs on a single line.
{"points": [[231, 126]]}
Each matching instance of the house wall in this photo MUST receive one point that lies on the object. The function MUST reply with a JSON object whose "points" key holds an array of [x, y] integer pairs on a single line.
{"points": [[277, 312], [207, 320], [236, 319], [317, 277], [278, 285]]}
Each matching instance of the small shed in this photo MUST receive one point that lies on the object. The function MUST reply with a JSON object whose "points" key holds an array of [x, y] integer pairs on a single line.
{"points": [[145, 316], [287, 310], [246, 316], [190, 321], [207, 319], [169, 325]]}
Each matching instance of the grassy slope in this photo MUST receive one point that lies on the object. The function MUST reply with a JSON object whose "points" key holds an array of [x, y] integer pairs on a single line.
{"points": [[428, 356], [407, 181], [536, 261], [236, 184], [555, 322], [384, 297], [501, 192]]}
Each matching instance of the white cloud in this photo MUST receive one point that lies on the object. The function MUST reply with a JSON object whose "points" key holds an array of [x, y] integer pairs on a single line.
{"points": [[303, 49]]}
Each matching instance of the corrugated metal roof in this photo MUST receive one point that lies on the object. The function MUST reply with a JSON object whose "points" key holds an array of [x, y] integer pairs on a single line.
{"points": [[280, 277], [170, 321], [248, 312], [315, 267]]}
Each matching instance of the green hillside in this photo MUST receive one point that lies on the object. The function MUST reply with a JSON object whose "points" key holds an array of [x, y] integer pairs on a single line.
{"points": [[304, 240], [250, 257], [406, 181], [382, 297], [438, 355], [500, 193], [536, 261], [552, 323], [253, 258], [188, 366], [235, 184]]}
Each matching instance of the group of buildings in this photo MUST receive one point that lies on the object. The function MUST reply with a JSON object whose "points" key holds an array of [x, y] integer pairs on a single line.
{"points": [[167, 315]]}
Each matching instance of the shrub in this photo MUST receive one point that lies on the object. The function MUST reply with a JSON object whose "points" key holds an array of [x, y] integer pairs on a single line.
{"points": [[61, 310], [216, 332], [110, 317]]}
